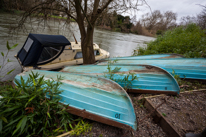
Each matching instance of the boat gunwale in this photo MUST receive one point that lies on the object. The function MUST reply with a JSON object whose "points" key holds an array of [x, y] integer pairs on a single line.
{"points": [[98, 118], [151, 91], [170, 54]]}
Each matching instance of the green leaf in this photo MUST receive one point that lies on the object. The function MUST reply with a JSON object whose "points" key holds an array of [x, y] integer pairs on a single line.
{"points": [[48, 114], [14, 46], [70, 125], [23, 84], [23, 96], [10, 71], [1, 126], [4, 119], [17, 82], [24, 120], [2, 53], [13, 121], [40, 80], [30, 100], [41, 130], [9, 60], [7, 45], [11, 109], [34, 82], [21, 124]]}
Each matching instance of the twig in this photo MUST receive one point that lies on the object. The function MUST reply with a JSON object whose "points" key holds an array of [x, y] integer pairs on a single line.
{"points": [[65, 134], [75, 39]]}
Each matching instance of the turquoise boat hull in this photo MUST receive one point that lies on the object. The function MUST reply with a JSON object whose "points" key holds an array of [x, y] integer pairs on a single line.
{"points": [[189, 68], [153, 56], [150, 79], [94, 98]]}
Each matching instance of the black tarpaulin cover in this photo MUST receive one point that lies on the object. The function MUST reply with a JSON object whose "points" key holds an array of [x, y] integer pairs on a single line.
{"points": [[30, 52]]}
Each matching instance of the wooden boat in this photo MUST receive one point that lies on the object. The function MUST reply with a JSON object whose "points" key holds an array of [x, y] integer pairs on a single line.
{"points": [[94, 98], [153, 56], [150, 79], [49, 52], [189, 68]]}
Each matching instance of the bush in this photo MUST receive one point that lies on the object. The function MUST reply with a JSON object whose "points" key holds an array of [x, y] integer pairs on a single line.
{"points": [[25, 110], [159, 32], [189, 41]]}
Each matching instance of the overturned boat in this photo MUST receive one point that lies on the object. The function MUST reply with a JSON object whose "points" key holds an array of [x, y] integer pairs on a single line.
{"points": [[134, 78], [189, 68], [92, 97], [153, 56], [49, 52]]}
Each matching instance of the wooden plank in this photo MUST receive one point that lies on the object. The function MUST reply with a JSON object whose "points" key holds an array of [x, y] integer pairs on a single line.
{"points": [[158, 118]]}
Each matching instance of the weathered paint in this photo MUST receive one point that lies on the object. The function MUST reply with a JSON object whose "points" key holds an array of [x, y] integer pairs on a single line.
{"points": [[150, 78], [93, 97], [154, 56], [191, 68]]}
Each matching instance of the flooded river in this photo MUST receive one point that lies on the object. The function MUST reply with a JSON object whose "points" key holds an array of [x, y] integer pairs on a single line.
{"points": [[118, 44]]}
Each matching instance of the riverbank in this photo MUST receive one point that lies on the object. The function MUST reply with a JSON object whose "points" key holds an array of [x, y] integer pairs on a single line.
{"points": [[144, 31], [21, 12], [12, 11]]}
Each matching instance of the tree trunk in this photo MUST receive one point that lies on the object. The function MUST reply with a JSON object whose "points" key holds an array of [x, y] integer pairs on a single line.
{"points": [[87, 36], [87, 46]]}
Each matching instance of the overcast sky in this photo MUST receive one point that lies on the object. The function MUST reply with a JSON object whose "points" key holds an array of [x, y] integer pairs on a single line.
{"points": [[181, 7]]}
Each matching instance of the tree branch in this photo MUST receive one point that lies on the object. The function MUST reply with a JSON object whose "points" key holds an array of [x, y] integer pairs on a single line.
{"points": [[84, 13], [85, 6], [105, 6]]}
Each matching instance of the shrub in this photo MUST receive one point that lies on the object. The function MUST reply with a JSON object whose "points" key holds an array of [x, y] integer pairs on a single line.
{"points": [[189, 41], [25, 110], [159, 32]]}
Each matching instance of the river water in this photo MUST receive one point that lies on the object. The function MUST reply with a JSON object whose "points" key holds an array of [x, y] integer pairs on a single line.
{"points": [[118, 44]]}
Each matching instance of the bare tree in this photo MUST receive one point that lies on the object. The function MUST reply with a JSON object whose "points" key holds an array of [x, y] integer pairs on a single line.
{"points": [[201, 18], [158, 21], [137, 28], [16, 4], [168, 20], [150, 21], [187, 20], [84, 12]]}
